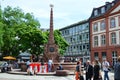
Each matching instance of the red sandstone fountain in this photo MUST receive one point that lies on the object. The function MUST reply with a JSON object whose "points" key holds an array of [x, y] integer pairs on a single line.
{"points": [[51, 49]]}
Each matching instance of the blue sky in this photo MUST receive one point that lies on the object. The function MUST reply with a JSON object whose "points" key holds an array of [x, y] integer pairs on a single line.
{"points": [[66, 12]]}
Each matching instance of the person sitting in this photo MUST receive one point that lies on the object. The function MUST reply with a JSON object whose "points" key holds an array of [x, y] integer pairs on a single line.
{"points": [[4, 68], [35, 70], [28, 63], [60, 67]]}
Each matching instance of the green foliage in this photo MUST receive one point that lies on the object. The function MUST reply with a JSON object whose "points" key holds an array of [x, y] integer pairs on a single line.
{"points": [[1, 29], [21, 32], [60, 41], [1, 34]]}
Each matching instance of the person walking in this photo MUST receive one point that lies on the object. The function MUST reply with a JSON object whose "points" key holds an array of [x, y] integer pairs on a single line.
{"points": [[42, 66], [117, 70], [89, 70], [77, 71], [105, 66], [50, 62], [96, 70]]}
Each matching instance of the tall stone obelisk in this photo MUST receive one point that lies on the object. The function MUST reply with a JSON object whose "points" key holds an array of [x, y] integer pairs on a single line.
{"points": [[51, 49]]}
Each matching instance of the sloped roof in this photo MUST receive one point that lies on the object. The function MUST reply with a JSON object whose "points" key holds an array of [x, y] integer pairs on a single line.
{"points": [[108, 6], [75, 24]]}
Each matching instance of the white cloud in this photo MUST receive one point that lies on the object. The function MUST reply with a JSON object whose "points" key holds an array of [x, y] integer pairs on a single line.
{"points": [[66, 12]]}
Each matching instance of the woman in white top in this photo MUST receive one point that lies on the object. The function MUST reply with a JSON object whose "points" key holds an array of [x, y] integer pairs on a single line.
{"points": [[105, 66]]}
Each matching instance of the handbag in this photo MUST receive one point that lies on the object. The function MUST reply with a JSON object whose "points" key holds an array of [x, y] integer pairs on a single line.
{"points": [[109, 69], [81, 77], [100, 78]]}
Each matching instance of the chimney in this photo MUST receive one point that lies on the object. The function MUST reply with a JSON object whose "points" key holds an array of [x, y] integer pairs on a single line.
{"points": [[107, 3]]}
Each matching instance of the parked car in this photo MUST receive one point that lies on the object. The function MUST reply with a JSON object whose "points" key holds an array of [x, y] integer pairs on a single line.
{"points": [[3, 66]]}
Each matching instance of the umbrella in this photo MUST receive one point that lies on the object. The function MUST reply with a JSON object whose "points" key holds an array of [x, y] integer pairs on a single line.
{"points": [[9, 58]]}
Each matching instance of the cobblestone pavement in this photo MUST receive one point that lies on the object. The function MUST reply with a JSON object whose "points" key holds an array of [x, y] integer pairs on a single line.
{"points": [[6, 76]]}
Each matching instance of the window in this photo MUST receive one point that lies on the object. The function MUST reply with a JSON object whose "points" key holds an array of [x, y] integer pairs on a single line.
{"points": [[71, 48], [96, 41], [83, 36], [74, 30], [71, 39], [88, 47], [112, 22], [113, 38], [80, 27], [87, 36], [112, 4], [95, 27], [87, 27], [103, 55], [96, 55], [103, 10], [83, 46], [103, 40], [114, 57], [103, 26], [70, 31], [80, 47], [119, 20], [95, 13], [80, 37], [119, 37]]}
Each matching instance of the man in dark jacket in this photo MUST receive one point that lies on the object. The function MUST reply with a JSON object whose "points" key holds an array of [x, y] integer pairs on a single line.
{"points": [[89, 70], [117, 70], [60, 67]]}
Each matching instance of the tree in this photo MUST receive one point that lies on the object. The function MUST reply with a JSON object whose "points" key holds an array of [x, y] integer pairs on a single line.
{"points": [[1, 29], [32, 41], [60, 41], [21, 32]]}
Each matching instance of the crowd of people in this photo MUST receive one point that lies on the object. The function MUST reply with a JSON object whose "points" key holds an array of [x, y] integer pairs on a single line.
{"points": [[8, 66], [93, 70]]}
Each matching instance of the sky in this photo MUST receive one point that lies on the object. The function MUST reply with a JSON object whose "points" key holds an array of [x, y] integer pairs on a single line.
{"points": [[65, 12]]}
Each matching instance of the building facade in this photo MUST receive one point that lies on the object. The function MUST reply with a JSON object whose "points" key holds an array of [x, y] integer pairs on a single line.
{"points": [[77, 35], [105, 32]]}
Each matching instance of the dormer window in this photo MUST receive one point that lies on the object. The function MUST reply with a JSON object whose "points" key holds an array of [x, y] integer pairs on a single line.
{"points": [[103, 10], [96, 12], [112, 4]]}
